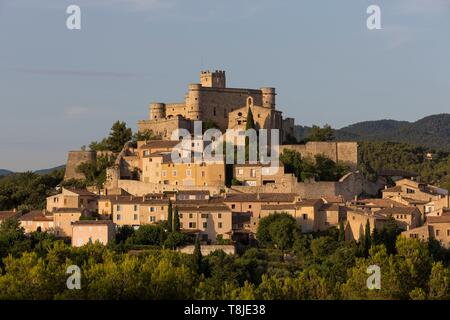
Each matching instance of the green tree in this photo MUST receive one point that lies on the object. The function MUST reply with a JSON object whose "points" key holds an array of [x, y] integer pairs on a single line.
{"points": [[170, 217], [321, 134], [148, 235], [175, 239], [279, 229], [118, 136], [439, 283], [197, 263], [250, 124], [176, 220]]}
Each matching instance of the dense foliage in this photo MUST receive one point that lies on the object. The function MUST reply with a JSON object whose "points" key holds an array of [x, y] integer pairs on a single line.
{"points": [[28, 190], [117, 138], [375, 156], [311, 267], [320, 168]]}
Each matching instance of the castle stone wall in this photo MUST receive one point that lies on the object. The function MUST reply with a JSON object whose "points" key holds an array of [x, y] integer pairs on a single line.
{"points": [[74, 159], [335, 150], [139, 188]]}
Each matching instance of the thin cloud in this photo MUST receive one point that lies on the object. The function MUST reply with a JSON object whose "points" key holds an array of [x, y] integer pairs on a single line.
{"points": [[75, 112], [78, 73], [413, 7]]}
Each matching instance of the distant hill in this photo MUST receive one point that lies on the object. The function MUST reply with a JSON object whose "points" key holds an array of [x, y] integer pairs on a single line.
{"points": [[4, 172], [50, 170], [431, 132]]}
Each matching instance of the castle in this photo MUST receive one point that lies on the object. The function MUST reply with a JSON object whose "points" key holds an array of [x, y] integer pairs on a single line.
{"points": [[227, 108], [148, 167]]}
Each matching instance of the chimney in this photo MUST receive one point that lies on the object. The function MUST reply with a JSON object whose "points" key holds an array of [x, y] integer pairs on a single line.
{"points": [[385, 187]]}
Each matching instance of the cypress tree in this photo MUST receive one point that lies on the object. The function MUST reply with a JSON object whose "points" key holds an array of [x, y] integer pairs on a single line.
{"points": [[367, 238], [197, 257], [249, 125], [341, 231], [176, 220], [169, 217]]}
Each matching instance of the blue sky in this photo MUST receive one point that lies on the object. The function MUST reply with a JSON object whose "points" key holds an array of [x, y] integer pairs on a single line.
{"points": [[61, 89]]}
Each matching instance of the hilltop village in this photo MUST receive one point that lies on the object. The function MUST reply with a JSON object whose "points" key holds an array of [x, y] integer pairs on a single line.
{"points": [[144, 184]]}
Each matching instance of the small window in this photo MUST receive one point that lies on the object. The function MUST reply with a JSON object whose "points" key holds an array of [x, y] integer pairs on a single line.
{"points": [[305, 216], [204, 216], [219, 225], [152, 218], [220, 216], [118, 207], [205, 225], [192, 225], [118, 217], [233, 206], [190, 215], [135, 217], [136, 207]]}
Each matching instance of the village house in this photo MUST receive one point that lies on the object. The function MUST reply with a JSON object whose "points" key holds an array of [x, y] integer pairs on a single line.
{"points": [[436, 227], [91, 231], [256, 175], [37, 220], [8, 214], [409, 188], [357, 220], [63, 219], [406, 217], [73, 198], [211, 221]]}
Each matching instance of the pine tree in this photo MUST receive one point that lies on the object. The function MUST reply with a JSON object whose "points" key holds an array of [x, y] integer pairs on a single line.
{"points": [[169, 217], [176, 220], [367, 238], [341, 231], [249, 125], [197, 257]]}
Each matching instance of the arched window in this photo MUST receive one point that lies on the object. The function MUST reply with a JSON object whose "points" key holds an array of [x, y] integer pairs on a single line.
{"points": [[249, 101]]}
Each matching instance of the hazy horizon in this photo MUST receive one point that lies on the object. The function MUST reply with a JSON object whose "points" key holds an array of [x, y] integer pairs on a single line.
{"points": [[62, 89]]}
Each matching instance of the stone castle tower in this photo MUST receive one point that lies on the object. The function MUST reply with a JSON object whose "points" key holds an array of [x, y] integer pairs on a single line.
{"points": [[212, 100], [74, 159]]}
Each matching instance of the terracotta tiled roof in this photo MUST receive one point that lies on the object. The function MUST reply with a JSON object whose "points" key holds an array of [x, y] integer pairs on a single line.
{"points": [[92, 222], [279, 207], [309, 202], [81, 192], [262, 197], [36, 215], [333, 199], [439, 219], [8, 214], [375, 202], [393, 189], [414, 201], [215, 207], [397, 210], [160, 144]]}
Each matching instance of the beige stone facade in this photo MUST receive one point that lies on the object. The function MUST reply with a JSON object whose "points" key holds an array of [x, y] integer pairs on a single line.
{"points": [[212, 100], [37, 220], [85, 231], [63, 219], [437, 228], [72, 198]]}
